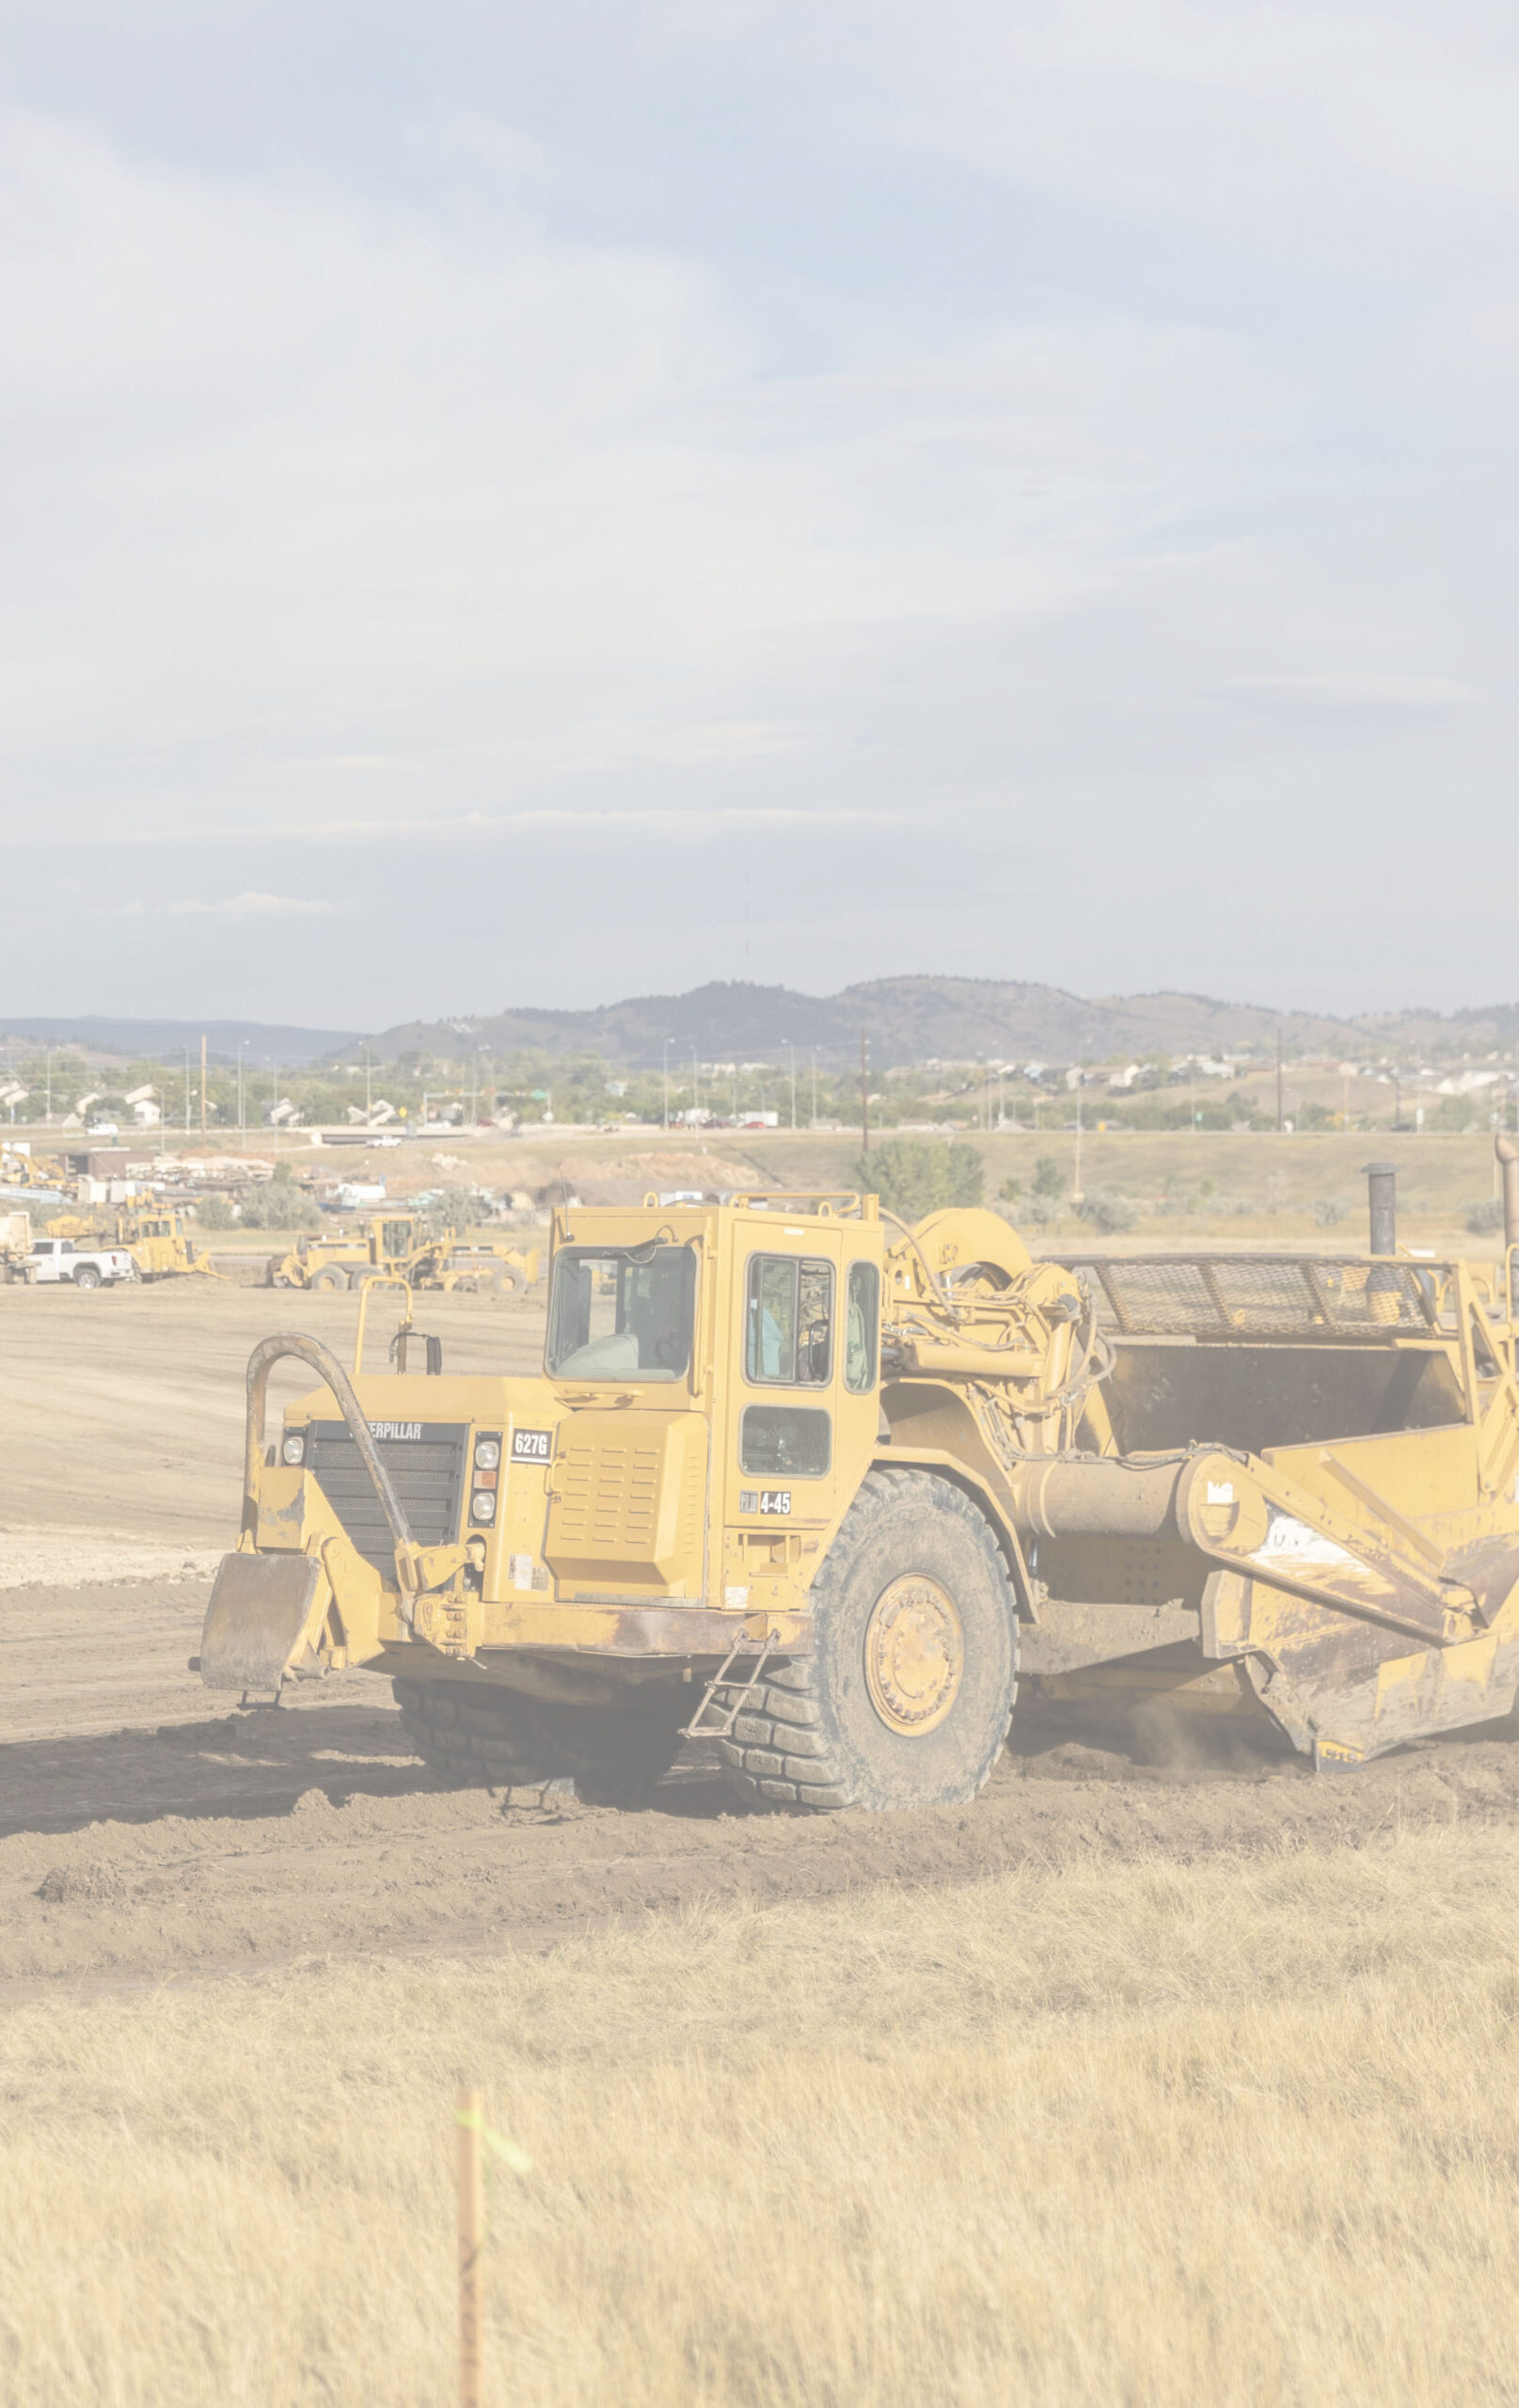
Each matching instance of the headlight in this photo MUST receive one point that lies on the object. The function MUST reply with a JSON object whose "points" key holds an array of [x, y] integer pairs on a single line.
{"points": [[293, 1448], [487, 1453], [482, 1506]]}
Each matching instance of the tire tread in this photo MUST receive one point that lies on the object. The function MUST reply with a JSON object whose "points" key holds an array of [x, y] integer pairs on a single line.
{"points": [[786, 1703]]}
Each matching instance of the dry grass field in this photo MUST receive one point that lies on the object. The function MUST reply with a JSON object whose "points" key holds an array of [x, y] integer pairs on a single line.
{"points": [[1243, 2132]]}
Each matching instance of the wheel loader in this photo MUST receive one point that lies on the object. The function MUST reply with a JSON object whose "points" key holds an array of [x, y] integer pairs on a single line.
{"points": [[831, 1492], [399, 1244]]}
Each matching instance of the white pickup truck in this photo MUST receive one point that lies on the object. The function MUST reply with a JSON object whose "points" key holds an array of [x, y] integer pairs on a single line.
{"points": [[56, 1259]]}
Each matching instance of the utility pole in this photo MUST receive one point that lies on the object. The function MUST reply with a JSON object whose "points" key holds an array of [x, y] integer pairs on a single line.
{"points": [[202, 1086], [666, 1075], [241, 1120], [1076, 1179], [793, 1091], [865, 1092], [1279, 1109], [696, 1085], [815, 1086]]}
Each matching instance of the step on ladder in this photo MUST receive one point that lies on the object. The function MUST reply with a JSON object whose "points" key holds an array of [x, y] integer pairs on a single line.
{"points": [[761, 1649]]}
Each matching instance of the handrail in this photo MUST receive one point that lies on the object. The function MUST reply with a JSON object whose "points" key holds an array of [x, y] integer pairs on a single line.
{"points": [[270, 1351], [768, 1197], [378, 1280]]}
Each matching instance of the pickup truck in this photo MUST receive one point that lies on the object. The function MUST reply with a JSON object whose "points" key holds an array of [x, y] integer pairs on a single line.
{"points": [[56, 1259]]}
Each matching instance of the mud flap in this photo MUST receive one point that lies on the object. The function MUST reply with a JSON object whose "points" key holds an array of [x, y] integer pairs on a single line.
{"points": [[261, 1612]]}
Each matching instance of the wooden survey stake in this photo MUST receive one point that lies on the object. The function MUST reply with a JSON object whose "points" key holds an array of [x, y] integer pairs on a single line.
{"points": [[468, 2119]]}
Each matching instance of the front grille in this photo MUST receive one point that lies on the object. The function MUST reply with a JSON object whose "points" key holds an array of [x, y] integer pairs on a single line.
{"points": [[1242, 1296], [428, 1472]]}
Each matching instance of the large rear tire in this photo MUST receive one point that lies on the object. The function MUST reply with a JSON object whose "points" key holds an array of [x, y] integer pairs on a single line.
{"points": [[905, 1698], [86, 1276], [501, 1739]]}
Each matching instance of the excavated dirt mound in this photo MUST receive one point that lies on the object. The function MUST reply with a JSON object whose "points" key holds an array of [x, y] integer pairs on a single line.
{"points": [[198, 1838]]}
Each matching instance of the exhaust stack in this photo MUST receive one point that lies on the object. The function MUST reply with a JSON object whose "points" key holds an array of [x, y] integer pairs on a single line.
{"points": [[1381, 1201]]}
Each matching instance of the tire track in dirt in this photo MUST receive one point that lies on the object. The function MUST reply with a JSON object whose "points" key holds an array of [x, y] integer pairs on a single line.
{"points": [[220, 1842]]}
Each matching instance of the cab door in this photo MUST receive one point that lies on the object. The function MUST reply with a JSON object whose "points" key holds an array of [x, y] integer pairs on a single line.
{"points": [[802, 1399]]}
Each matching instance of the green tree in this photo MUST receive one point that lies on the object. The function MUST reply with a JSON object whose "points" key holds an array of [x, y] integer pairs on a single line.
{"points": [[1107, 1211], [280, 1205], [914, 1179], [454, 1208], [1049, 1180]]}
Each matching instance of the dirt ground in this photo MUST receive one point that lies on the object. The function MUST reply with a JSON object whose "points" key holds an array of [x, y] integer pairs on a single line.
{"points": [[147, 1833], [122, 1409]]}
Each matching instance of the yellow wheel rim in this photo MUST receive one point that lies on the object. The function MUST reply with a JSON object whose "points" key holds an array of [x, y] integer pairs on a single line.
{"points": [[915, 1655]]}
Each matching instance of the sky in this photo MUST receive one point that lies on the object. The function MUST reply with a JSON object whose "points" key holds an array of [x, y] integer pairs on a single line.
{"points": [[511, 505]]}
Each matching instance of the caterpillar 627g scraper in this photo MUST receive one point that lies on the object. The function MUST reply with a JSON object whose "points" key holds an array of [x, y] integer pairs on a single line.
{"points": [[827, 1489]]}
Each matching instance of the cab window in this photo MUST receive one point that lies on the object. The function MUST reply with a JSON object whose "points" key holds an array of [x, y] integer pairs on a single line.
{"points": [[861, 1323], [624, 1313], [789, 1338]]}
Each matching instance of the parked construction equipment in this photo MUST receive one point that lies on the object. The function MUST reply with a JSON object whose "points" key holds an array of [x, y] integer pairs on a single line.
{"points": [[157, 1239], [401, 1246], [15, 1244], [821, 1486]]}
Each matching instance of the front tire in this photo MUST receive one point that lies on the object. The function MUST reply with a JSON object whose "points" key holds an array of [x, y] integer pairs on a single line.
{"points": [[330, 1278], [498, 1739], [905, 1698]]}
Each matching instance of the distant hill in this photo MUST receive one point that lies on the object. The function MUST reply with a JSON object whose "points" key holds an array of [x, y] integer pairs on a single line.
{"points": [[153, 1041], [909, 1020], [917, 1020]]}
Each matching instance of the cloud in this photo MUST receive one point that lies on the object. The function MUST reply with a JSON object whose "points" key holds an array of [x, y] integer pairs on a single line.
{"points": [[821, 481], [688, 825], [1353, 691], [251, 906]]}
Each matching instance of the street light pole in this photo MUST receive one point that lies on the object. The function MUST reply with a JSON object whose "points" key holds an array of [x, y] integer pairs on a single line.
{"points": [[1076, 1189], [666, 1077], [793, 1091]]}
